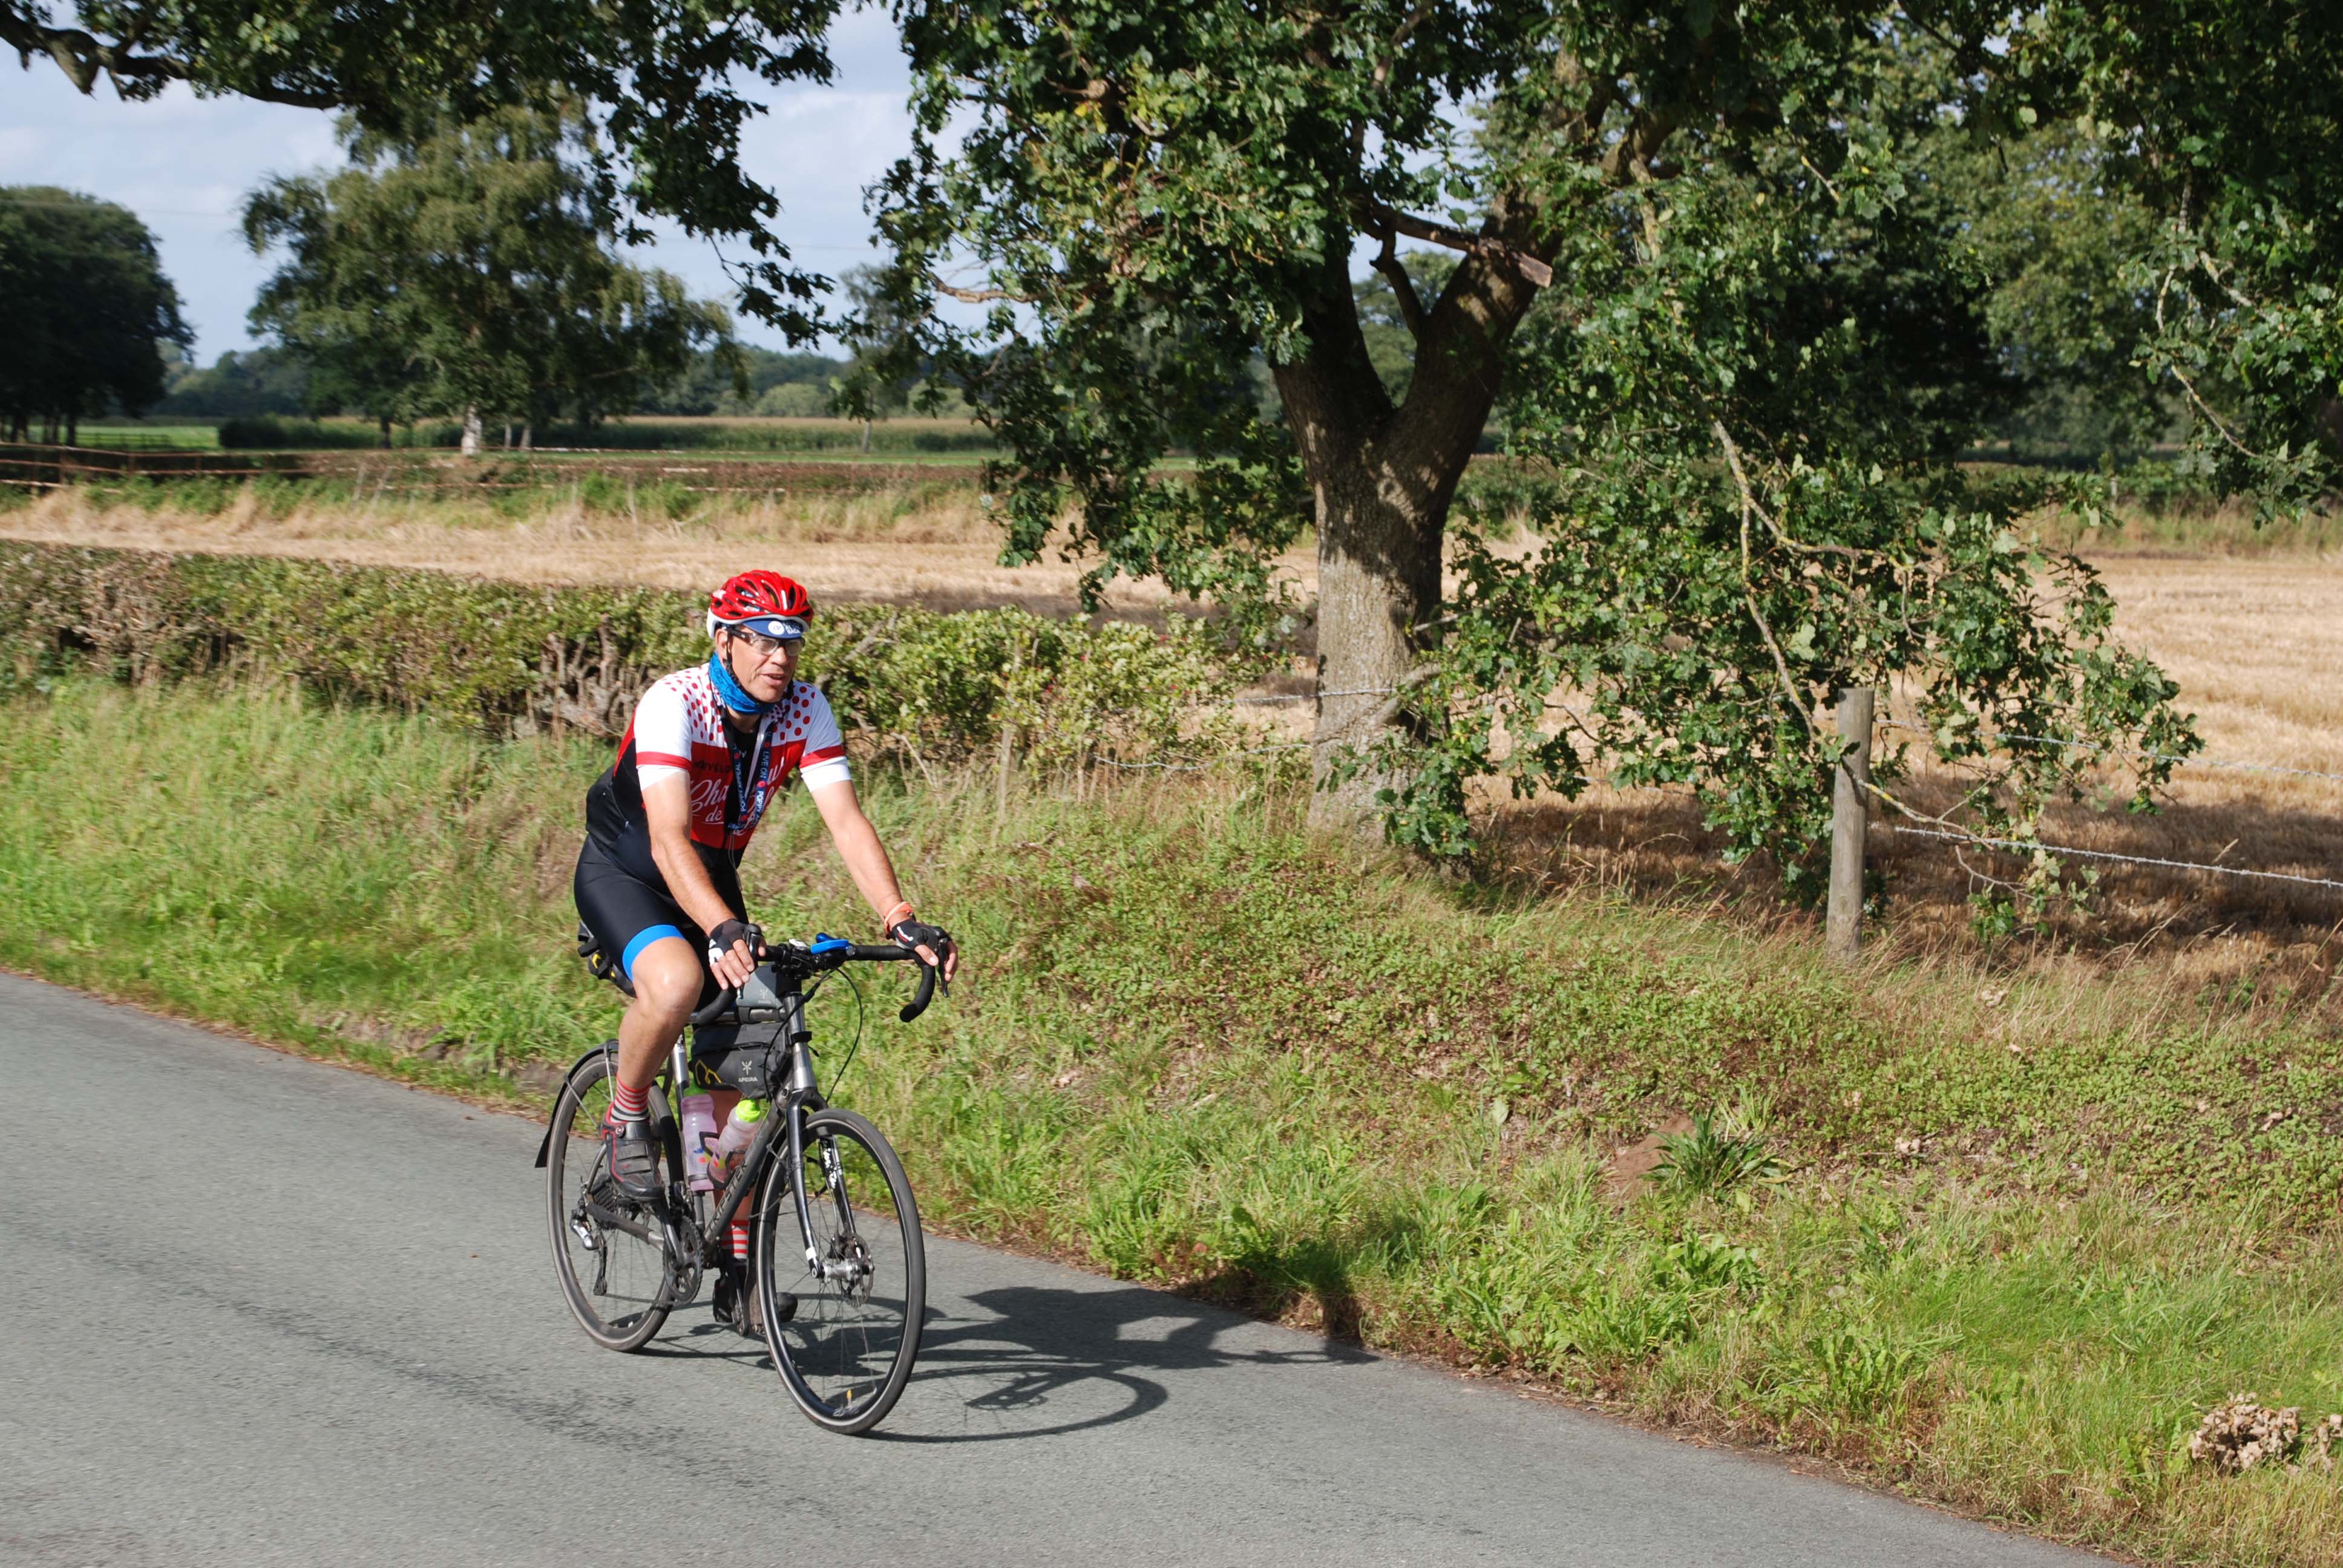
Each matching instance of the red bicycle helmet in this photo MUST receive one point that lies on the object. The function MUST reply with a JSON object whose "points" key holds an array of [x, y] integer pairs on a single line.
{"points": [[762, 601]]}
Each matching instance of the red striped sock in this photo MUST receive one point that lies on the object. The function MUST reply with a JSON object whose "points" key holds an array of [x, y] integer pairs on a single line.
{"points": [[739, 1241], [629, 1104]]}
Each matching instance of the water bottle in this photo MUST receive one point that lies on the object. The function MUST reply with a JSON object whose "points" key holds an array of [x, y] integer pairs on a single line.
{"points": [[725, 1155], [698, 1136]]}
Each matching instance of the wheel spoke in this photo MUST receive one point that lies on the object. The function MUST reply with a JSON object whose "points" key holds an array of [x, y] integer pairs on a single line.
{"points": [[608, 1251], [848, 1350]]}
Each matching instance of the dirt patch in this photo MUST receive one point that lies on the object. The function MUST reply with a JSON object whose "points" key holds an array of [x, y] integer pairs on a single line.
{"points": [[1631, 1163]]}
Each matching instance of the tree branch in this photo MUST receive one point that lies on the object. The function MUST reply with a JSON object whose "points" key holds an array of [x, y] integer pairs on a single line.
{"points": [[84, 59], [1749, 504], [1376, 218], [1764, 629], [2190, 387], [977, 296], [1411, 305], [1414, 20], [1647, 132]]}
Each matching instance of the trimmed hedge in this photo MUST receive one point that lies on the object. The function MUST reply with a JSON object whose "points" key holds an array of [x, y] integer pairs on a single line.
{"points": [[507, 658]]}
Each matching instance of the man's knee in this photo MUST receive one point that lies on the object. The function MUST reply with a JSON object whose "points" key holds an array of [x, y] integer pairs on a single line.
{"points": [[667, 978]]}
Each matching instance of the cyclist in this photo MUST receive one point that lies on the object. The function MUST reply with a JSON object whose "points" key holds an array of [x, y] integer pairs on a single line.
{"points": [[658, 881]]}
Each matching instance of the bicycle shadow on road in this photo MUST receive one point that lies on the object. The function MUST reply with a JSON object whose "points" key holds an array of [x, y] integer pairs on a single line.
{"points": [[1052, 1361]]}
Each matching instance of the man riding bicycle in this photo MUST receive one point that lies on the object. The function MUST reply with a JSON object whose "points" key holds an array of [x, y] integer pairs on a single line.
{"points": [[657, 882]]}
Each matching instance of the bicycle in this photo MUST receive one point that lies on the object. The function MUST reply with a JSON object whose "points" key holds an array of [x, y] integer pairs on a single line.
{"points": [[842, 1313]]}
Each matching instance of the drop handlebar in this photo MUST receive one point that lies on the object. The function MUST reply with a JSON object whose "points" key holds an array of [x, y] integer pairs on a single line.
{"points": [[827, 954]]}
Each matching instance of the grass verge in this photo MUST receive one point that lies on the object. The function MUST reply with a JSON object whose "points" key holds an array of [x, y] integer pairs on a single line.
{"points": [[1997, 1254]]}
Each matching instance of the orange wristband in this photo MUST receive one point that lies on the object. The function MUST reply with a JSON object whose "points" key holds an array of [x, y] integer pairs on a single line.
{"points": [[895, 916]]}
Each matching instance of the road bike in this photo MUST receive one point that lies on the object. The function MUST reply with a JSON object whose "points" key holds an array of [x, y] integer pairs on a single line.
{"points": [[835, 1253]]}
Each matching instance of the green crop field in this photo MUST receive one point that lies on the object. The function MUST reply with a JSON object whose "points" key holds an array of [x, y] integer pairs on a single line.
{"points": [[892, 440], [204, 438]]}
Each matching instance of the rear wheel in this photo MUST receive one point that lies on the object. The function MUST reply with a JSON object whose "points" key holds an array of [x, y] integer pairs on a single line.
{"points": [[609, 1251], [846, 1349]]}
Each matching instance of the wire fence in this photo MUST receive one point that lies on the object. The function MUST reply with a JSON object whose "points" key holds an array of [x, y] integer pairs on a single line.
{"points": [[1935, 833], [2028, 847]]}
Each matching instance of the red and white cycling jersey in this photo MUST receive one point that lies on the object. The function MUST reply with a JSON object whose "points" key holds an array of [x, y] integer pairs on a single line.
{"points": [[679, 726]]}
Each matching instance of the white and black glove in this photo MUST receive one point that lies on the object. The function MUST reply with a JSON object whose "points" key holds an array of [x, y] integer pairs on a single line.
{"points": [[916, 934]]}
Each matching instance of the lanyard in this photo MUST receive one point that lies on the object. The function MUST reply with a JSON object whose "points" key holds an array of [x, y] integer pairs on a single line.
{"points": [[746, 792]]}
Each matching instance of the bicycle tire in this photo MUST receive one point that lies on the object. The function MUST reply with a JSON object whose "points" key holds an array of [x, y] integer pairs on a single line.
{"points": [[589, 1218], [848, 1348]]}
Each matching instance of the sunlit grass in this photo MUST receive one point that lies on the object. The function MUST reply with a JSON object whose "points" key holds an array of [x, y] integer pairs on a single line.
{"points": [[1197, 1048]]}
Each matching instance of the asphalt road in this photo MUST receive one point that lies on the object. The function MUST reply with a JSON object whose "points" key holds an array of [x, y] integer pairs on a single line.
{"points": [[254, 1309]]}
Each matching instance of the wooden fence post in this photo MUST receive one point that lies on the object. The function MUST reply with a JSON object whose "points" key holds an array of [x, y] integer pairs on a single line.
{"points": [[1850, 819]]}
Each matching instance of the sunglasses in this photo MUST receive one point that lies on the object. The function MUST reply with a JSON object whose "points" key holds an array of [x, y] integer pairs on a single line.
{"points": [[760, 645]]}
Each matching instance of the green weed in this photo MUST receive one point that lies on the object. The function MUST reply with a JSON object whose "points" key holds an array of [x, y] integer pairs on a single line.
{"points": [[1707, 1162]]}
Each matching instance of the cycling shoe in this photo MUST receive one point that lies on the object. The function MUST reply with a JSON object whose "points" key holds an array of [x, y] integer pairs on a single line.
{"points": [[633, 1158]]}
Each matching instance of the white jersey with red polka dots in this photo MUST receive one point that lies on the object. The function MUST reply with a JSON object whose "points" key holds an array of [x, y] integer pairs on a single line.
{"points": [[679, 728]]}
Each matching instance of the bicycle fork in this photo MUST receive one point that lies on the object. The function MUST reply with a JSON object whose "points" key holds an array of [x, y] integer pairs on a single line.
{"points": [[834, 1185]]}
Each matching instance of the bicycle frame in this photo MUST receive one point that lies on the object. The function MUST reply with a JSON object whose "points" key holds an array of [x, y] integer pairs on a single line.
{"points": [[774, 996], [799, 1093]]}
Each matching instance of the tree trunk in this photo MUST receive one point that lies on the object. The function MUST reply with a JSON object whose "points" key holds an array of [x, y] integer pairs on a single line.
{"points": [[386, 432], [528, 435], [1381, 479], [1378, 591], [73, 429], [471, 447], [866, 435]]}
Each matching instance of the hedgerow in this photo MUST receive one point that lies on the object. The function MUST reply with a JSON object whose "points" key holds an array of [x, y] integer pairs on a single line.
{"points": [[506, 658]]}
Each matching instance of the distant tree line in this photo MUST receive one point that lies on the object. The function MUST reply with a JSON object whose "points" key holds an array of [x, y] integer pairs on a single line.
{"points": [[274, 382], [368, 319]]}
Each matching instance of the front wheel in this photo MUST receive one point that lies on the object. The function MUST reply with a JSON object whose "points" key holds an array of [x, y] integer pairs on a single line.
{"points": [[846, 1349]]}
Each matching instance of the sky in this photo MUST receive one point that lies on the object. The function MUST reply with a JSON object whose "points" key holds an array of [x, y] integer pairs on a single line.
{"points": [[185, 163]]}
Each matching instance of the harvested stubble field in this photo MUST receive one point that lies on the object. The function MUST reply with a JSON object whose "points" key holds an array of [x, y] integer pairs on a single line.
{"points": [[898, 543], [2250, 624], [2256, 642]]}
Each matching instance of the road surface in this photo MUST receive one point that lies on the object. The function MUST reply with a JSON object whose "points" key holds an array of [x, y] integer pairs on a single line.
{"points": [[256, 1309]]}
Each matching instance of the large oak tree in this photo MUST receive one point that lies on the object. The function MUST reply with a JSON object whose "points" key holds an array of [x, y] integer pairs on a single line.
{"points": [[1706, 253], [463, 273], [1153, 193]]}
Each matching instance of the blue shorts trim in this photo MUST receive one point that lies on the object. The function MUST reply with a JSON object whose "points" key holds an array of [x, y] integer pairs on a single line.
{"points": [[643, 938]]}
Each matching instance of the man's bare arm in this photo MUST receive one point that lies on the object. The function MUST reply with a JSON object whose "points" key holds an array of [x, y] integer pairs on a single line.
{"points": [[865, 856]]}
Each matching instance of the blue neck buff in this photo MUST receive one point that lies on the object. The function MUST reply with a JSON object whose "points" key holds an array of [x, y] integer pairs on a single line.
{"points": [[730, 692]]}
